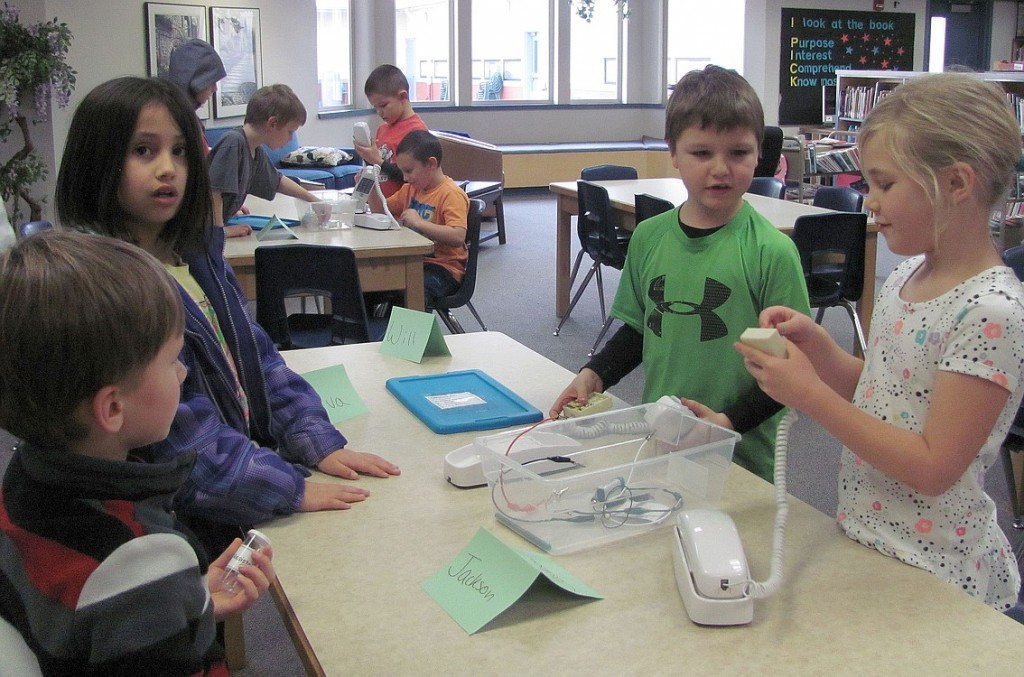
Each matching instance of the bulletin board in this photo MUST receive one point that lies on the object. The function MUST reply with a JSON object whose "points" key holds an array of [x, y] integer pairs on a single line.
{"points": [[816, 42]]}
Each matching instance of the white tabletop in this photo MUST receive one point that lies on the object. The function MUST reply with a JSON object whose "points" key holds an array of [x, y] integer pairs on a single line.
{"points": [[366, 242], [781, 213], [353, 578]]}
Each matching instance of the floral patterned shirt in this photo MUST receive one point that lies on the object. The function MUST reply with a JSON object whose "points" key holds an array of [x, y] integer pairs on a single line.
{"points": [[976, 328]]}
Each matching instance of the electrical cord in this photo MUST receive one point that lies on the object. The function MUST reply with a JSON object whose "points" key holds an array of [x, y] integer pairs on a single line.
{"points": [[756, 589]]}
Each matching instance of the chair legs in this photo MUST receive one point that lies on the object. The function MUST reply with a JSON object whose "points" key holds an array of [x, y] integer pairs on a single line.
{"points": [[596, 268], [453, 324], [604, 330], [851, 310]]}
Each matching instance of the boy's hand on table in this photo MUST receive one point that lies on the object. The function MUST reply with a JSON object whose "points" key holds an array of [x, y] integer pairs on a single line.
{"points": [[321, 496], [585, 383], [349, 464], [253, 580], [238, 230]]}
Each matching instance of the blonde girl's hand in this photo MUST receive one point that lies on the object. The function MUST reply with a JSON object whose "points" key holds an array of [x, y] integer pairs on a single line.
{"points": [[253, 580], [793, 325], [789, 380]]}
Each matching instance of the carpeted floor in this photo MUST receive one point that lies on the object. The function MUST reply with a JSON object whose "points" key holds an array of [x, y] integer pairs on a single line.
{"points": [[515, 295]]}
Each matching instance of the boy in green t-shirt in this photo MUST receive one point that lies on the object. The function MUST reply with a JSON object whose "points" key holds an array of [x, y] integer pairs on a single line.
{"points": [[697, 276]]}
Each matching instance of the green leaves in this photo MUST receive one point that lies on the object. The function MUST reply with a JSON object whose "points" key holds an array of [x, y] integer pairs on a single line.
{"points": [[33, 71]]}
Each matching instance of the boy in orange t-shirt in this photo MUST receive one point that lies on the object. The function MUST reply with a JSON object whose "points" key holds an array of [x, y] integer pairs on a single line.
{"points": [[434, 206]]}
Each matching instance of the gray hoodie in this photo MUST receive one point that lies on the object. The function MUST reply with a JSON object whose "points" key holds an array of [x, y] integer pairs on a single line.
{"points": [[194, 66]]}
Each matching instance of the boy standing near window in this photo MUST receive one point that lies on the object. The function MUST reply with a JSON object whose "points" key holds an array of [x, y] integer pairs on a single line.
{"points": [[387, 88]]}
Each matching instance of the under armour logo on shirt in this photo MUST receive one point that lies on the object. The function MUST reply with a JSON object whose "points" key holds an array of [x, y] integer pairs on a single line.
{"points": [[711, 325]]}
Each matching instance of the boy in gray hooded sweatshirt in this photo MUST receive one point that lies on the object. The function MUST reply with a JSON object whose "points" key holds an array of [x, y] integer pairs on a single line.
{"points": [[196, 68]]}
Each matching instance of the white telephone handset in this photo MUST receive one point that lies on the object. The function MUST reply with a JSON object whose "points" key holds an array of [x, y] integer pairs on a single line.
{"points": [[369, 182], [710, 565], [361, 134]]}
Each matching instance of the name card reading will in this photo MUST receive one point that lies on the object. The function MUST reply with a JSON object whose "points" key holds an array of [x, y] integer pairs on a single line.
{"points": [[488, 577], [412, 335], [340, 398]]}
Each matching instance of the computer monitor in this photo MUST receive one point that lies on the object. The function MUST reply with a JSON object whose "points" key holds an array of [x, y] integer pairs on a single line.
{"points": [[828, 104]]}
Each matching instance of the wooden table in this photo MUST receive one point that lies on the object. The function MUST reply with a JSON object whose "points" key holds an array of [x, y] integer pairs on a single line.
{"points": [[781, 213], [350, 581], [387, 259]]}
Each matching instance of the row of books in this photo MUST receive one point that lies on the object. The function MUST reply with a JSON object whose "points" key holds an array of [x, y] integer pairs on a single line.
{"points": [[1017, 104], [836, 161], [857, 101]]}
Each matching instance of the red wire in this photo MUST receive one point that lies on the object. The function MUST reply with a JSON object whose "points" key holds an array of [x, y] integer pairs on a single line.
{"points": [[501, 473]]}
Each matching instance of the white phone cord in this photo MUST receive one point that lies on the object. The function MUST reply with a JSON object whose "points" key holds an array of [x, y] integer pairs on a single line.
{"points": [[380, 194], [764, 589], [603, 427]]}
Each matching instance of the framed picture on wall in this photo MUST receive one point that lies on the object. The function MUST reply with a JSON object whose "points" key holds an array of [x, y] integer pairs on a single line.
{"points": [[167, 26], [236, 37]]}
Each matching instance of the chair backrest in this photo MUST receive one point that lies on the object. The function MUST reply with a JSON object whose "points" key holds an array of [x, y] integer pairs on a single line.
{"points": [[794, 148], [646, 206], [839, 198], [608, 173], [831, 248], [771, 150], [598, 235], [464, 294], [1014, 257], [33, 227], [293, 269], [768, 186]]}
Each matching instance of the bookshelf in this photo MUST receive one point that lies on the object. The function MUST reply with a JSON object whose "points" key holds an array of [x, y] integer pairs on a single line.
{"points": [[857, 92]]}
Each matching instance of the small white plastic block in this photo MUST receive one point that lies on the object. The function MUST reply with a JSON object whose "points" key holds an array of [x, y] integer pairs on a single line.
{"points": [[767, 340], [596, 403]]}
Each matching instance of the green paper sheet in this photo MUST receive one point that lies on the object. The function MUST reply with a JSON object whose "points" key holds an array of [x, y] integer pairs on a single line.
{"points": [[335, 390], [412, 335], [488, 577]]}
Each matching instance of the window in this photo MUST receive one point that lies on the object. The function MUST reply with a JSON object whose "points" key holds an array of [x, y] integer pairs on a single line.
{"points": [[511, 48], [700, 33], [333, 58], [423, 44], [594, 48]]}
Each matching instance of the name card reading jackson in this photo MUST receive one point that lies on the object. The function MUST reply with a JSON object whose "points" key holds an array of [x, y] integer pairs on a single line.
{"points": [[488, 577]]}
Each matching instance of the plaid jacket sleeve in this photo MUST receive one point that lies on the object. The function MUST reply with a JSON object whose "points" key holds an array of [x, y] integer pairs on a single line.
{"points": [[234, 480]]}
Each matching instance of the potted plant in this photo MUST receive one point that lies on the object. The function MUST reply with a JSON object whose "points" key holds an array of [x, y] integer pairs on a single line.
{"points": [[33, 69]]}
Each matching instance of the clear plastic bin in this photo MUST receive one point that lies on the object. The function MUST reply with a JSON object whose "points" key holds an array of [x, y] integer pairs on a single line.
{"points": [[573, 484]]}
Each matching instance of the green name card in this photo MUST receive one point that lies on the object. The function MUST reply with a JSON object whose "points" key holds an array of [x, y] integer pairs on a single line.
{"points": [[276, 229], [337, 393], [412, 335], [488, 577]]}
